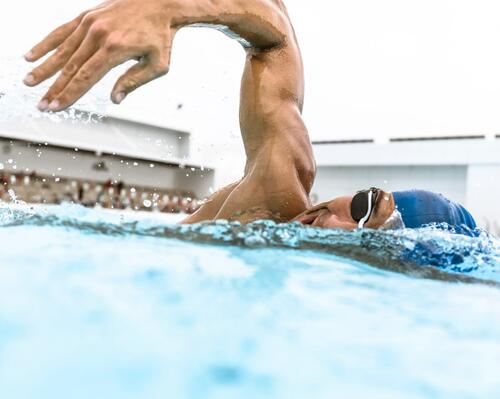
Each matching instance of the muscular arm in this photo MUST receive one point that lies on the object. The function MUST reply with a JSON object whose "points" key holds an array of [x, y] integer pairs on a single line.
{"points": [[280, 167]]}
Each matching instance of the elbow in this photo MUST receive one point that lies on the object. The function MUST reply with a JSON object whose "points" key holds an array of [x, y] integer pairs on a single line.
{"points": [[263, 24]]}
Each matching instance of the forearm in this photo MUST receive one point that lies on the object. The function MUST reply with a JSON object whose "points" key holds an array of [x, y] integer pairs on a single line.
{"points": [[120, 30], [260, 23]]}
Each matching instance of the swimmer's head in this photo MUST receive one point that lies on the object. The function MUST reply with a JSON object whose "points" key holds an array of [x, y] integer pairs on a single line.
{"points": [[372, 208]]}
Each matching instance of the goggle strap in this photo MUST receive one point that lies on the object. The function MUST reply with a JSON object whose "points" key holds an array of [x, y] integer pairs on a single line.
{"points": [[368, 213]]}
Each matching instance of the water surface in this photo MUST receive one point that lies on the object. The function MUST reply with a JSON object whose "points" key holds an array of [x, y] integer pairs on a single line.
{"points": [[98, 304]]}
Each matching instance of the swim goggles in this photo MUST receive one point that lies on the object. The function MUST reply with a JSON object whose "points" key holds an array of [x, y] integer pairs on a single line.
{"points": [[362, 205]]}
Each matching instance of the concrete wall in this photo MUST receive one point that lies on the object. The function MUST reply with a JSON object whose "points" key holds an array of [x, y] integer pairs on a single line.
{"points": [[483, 195], [109, 135], [332, 182]]}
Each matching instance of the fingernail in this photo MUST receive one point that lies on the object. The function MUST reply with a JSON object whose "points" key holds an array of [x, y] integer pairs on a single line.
{"points": [[54, 105], [119, 97], [43, 105], [29, 79], [28, 56]]}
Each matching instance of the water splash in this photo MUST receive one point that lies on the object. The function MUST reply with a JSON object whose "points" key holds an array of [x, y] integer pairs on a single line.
{"points": [[429, 252], [18, 102]]}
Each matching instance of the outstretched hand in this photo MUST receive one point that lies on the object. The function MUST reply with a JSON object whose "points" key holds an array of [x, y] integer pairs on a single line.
{"points": [[89, 46]]}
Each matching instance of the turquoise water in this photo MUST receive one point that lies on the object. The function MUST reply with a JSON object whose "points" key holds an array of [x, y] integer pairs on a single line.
{"points": [[101, 305]]}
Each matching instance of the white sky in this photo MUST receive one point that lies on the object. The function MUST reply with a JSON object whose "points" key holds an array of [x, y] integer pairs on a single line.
{"points": [[373, 68]]}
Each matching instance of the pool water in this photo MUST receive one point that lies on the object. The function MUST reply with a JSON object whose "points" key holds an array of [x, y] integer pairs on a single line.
{"points": [[97, 304]]}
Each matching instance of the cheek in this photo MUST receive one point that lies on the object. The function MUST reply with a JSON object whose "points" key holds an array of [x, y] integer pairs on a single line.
{"points": [[330, 221]]}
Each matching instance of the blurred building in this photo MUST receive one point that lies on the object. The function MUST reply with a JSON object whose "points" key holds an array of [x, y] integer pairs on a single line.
{"points": [[464, 168], [114, 149]]}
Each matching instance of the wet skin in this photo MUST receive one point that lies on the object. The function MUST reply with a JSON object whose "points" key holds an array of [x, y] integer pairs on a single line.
{"points": [[336, 214], [280, 167]]}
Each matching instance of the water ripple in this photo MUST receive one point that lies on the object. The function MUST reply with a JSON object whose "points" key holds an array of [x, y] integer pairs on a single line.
{"points": [[430, 252]]}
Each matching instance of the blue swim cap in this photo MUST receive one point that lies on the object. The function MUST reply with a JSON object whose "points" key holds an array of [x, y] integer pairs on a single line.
{"points": [[419, 208]]}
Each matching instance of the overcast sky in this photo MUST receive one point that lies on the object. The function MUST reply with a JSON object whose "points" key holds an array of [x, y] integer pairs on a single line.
{"points": [[373, 68]]}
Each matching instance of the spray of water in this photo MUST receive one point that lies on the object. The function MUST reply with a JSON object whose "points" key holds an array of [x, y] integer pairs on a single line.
{"points": [[19, 102]]}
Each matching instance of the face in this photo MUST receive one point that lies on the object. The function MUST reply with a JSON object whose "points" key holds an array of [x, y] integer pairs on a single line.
{"points": [[336, 214]]}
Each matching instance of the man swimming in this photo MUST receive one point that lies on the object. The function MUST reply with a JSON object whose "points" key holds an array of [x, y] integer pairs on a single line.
{"points": [[375, 208], [280, 167]]}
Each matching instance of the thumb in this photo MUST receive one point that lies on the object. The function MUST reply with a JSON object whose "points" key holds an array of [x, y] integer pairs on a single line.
{"points": [[141, 73]]}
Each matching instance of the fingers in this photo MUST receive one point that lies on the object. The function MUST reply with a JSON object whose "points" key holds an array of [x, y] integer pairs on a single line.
{"points": [[143, 72], [52, 41], [54, 63], [75, 63], [88, 75], [87, 48], [70, 87]]}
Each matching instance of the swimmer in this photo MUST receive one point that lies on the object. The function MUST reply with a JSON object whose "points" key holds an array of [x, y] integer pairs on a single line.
{"points": [[280, 167], [377, 209]]}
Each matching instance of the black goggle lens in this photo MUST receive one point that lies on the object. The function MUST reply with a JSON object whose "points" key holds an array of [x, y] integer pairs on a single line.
{"points": [[359, 204]]}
